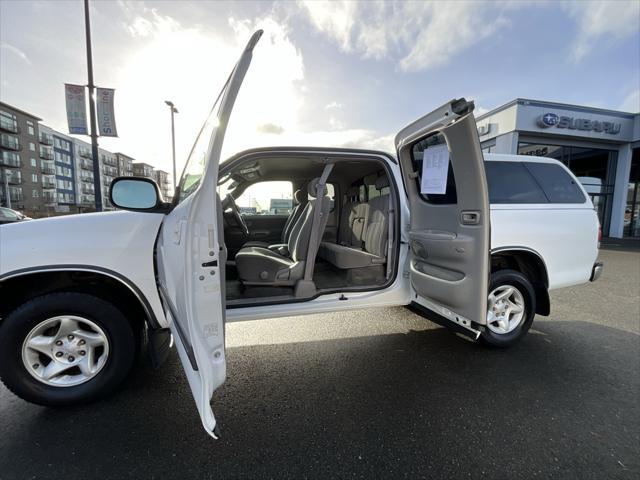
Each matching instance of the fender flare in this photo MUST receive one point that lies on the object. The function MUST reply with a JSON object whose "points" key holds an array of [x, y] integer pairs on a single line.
{"points": [[131, 286]]}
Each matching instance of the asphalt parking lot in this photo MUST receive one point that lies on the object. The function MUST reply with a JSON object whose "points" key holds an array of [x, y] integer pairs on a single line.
{"points": [[371, 394]]}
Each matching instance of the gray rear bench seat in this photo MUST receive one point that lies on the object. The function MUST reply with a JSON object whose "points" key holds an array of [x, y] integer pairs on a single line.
{"points": [[363, 233]]}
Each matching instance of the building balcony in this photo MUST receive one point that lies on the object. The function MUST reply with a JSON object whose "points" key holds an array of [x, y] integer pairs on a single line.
{"points": [[49, 197], [46, 139], [10, 159], [86, 164], [48, 183], [9, 142], [109, 161], [48, 168], [86, 177], [88, 189], [110, 171], [85, 153], [15, 194], [46, 154], [9, 125], [87, 200], [13, 177]]}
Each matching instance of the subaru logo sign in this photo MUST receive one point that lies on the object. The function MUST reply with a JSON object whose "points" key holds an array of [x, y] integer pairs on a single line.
{"points": [[585, 124], [548, 120]]}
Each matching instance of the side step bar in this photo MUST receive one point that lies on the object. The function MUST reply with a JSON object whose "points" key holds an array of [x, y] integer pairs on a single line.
{"points": [[434, 317]]}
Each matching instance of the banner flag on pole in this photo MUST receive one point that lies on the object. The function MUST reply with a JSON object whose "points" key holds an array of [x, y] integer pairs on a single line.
{"points": [[106, 114], [76, 108]]}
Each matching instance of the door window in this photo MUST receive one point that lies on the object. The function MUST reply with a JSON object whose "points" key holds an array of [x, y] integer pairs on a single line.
{"points": [[197, 161], [266, 198], [417, 155]]}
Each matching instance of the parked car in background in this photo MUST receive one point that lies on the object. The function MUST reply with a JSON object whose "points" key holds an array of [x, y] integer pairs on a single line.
{"points": [[11, 216], [472, 243]]}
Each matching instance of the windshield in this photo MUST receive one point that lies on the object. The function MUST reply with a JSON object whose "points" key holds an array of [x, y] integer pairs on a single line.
{"points": [[196, 163]]}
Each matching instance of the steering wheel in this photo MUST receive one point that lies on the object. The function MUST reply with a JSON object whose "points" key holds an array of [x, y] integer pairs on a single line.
{"points": [[231, 204]]}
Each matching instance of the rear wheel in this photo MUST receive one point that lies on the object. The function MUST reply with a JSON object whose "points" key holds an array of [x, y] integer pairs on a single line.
{"points": [[65, 348], [511, 307]]}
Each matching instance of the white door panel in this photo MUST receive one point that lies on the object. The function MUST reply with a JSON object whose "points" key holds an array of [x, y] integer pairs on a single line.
{"points": [[191, 255]]}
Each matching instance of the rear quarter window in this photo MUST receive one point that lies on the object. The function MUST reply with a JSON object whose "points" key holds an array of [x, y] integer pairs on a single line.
{"points": [[511, 182], [558, 185]]}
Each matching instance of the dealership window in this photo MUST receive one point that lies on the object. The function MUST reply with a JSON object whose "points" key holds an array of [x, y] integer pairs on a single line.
{"points": [[595, 168], [632, 210], [266, 198]]}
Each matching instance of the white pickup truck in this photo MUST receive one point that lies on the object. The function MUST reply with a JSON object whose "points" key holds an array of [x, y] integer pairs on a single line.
{"points": [[79, 294]]}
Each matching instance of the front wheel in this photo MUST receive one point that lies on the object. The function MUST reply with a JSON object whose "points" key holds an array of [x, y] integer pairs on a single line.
{"points": [[511, 307], [65, 348]]}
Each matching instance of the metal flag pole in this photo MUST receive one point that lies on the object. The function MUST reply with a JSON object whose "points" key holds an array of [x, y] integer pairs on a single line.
{"points": [[92, 112]]}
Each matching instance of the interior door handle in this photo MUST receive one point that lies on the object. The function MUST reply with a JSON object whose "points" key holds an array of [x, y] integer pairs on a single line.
{"points": [[468, 217]]}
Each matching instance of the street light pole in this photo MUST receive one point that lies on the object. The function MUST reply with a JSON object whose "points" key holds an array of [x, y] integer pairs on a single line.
{"points": [[92, 112], [6, 188], [173, 140]]}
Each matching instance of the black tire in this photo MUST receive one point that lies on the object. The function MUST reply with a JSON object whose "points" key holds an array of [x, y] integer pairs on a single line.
{"points": [[522, 283], [17, 325]]}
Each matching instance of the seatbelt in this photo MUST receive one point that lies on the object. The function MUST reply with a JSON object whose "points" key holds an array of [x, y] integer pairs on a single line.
{"points": [[315, 237], [391, 233]]}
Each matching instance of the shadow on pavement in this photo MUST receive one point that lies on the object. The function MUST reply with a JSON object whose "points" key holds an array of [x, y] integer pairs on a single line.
{"points": [[562, 404]]}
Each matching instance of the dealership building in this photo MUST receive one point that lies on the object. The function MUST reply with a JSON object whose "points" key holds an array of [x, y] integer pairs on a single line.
{"points": [[601, 147]]}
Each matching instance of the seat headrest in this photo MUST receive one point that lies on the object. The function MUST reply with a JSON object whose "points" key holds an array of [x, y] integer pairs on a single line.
{"points": [[312, 188], [299, 197], [353, 192], [369, 179], [382, 182]]}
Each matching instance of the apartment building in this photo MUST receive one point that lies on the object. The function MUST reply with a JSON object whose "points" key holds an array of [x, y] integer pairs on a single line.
{"points": [[44, 172], [20, 155], [125, 165], [57, 162], [162, 179]]}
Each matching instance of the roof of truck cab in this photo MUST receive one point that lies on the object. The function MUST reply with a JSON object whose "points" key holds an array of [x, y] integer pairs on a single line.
{"points": [[507, 157]]}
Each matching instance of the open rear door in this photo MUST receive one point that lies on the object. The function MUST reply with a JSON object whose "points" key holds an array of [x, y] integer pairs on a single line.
{"points": [[443, 169], [191, 255]]}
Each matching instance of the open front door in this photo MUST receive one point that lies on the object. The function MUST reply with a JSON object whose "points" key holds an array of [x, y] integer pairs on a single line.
{"points": [[443, 170], [191, 255]]}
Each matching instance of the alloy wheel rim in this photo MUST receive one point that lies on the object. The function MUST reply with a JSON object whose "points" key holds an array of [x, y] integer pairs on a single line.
{"points": [[505, 309], [65, 350]]}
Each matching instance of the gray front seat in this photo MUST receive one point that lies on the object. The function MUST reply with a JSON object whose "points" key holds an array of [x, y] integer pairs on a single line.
{"points": [[300, 197], [262, 266]]}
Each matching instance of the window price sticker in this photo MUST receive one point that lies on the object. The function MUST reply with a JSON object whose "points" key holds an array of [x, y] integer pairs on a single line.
{"points": [[435, 166]]}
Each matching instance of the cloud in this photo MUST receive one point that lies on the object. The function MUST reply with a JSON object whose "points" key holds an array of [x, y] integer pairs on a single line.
{"points": [[418, 35], [601, 19], [270, 128], [631, 103], [332, 105], [15, 51]]}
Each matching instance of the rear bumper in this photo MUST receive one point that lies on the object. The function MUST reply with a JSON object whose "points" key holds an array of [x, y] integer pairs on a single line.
{"points": [[596, 271]]}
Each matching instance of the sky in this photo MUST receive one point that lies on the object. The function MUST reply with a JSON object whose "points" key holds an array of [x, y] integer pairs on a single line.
{"points": [[324, 73]]}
